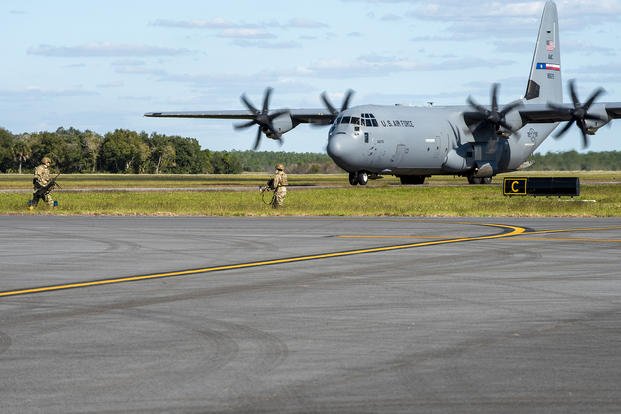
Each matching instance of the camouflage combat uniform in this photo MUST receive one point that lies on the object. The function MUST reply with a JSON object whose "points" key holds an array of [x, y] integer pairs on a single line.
{"points": [[41, 178], [280, 186]]}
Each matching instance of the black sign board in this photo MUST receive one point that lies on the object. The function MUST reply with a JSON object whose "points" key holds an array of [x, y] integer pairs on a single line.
{"points": [[541, 186]]}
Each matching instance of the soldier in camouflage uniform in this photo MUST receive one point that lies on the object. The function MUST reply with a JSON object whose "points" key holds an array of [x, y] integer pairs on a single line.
{"points": [[280, 186], [41, 178]]}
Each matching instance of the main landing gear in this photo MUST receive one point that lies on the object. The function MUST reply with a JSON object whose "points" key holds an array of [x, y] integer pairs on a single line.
{"points": [[479, 180], [412, 179], [360, 177]]}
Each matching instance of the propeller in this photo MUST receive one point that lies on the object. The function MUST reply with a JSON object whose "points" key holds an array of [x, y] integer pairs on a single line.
{"points": [[579, 114], [494, 117], [262, 118], [335, 112]]}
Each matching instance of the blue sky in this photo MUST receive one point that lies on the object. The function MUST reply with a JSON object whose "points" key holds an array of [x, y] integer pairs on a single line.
{"points": [[101, 65]]}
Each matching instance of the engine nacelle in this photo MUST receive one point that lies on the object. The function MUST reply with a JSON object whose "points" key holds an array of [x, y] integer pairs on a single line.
{"points": [[454, 162], [592, 125], [282, 123]]}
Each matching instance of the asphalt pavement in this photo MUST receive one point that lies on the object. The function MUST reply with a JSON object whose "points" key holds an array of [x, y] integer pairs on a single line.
{"points": [[309, 314]]}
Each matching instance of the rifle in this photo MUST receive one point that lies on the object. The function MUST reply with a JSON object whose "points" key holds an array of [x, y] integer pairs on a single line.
{"points": [[42, 191], [48, 188], [269, 186]]}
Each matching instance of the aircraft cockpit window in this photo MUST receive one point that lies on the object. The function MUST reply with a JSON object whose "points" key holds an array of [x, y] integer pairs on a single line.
{"points": [[369, 120], [346, 120], [355, 120]]}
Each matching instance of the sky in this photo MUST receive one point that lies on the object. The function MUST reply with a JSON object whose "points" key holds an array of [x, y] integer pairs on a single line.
{"points": [[100, 65]]}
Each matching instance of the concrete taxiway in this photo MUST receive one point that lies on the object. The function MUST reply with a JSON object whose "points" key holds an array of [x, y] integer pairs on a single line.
{"points": [[309, 314]]}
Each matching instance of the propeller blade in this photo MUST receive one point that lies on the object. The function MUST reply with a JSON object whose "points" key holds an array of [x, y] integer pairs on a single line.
{"points": [[579, 114], [572, 91], [494, 97], [507, 127], [477, 116], [277, 114], [266, 100], [510, 107], [493, 117], [564, 129], [331, 108], [245, 124], [328, 104], [476, 106], [348, 96], [558, 108], [249, 104], [585, 141], [593, 97], [263, 119], [257, 140]]}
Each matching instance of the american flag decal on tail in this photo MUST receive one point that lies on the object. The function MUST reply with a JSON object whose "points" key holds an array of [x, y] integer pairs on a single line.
{"points": [[550, 45]]}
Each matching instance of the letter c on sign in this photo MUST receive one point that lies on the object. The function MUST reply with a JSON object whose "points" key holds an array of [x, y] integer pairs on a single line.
{"points": [[513, 184]]}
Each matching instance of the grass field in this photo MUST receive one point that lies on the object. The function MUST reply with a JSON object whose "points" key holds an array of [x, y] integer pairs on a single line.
{"points": [[237, 195]]}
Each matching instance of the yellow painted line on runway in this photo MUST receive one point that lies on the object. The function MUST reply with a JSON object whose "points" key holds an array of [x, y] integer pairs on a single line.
{"points": [[509, 232], [578, 239], [353, 236], [529, 233], [574, 230]]}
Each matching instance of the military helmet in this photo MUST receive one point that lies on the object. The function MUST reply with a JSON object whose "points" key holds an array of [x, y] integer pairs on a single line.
{"points": [[280, 166], [46, 160]]}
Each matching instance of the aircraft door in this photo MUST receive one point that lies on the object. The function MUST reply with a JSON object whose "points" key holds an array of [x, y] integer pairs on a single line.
{"points": [[433, 150], [400, 152]]}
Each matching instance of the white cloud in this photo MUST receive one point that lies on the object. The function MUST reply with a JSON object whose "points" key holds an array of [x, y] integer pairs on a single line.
{"points": [[105, 50], [246, 34], [215, 23], [262, 44], [36, 93]]}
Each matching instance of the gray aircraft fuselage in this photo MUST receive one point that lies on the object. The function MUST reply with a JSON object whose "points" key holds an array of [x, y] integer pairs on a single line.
{"points": [[422, 141]]}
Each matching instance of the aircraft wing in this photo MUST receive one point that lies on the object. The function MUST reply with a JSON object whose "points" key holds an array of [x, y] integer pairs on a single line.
{"points": [[542, 113], [299, 116]]}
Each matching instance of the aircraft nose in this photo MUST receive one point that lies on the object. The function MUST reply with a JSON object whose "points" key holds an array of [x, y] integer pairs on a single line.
{"points": [[337, 146]]}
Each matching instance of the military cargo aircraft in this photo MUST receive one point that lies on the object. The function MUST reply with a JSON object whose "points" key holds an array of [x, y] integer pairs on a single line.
{"points": [[474, 141]]}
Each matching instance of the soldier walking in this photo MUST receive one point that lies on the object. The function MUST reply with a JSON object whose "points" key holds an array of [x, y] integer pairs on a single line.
{"points": [[42, 178], [280, 186]]}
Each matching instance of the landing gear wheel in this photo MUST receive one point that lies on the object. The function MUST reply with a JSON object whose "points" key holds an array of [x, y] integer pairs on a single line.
{"points": [[353, 178], [363, 178], [486, 180], [474, 180]]}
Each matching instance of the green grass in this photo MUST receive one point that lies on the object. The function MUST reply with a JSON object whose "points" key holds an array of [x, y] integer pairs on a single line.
{"points": [[81, 181], [85, 181], [377, 199]]}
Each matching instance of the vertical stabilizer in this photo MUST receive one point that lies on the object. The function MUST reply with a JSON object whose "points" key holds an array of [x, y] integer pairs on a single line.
{"points": [[544, 82]]}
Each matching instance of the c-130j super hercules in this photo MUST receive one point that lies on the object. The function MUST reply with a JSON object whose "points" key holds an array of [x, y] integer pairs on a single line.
{"points": [[474, 141]]}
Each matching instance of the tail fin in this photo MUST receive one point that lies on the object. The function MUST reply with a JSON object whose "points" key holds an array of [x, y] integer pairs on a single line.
{"points": [[544, 83]]}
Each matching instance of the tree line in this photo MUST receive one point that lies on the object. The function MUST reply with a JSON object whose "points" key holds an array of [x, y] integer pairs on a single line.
{"points": [[575, 161], [125, 151]]}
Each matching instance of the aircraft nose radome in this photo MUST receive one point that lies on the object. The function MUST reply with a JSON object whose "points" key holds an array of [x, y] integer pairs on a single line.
{"points": [[336, 146]]}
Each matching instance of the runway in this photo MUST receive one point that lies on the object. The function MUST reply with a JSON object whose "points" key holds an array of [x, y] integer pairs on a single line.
{"points": [[309, 314]]}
